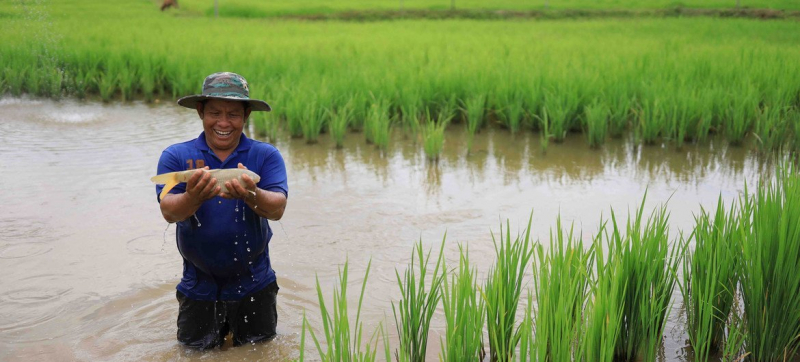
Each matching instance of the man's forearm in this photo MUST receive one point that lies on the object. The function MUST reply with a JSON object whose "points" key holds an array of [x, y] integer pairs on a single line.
{"points": [[178, 207], [267, 204]]}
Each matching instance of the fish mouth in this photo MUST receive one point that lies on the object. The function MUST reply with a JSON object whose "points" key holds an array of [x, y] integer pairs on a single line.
{"points": [[222, 134]]}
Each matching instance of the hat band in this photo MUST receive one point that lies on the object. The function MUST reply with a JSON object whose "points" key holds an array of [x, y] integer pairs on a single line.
{"points": [[226, 94]]}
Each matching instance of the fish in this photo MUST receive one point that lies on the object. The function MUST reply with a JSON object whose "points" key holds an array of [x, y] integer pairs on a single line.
{"points": [[223, 175]]}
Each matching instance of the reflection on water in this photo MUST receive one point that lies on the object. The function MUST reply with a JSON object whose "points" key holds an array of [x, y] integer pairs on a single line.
{"points": [[87, 274]]}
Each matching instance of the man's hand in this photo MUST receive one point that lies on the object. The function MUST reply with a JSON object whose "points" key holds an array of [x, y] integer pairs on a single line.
{"points": [[237, 190], [201, 186]]}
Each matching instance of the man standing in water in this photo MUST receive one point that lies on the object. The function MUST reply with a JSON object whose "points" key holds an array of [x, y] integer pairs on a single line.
{"points": [[228, 284]]}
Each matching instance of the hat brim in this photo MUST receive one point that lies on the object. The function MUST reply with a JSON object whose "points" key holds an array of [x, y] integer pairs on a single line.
{"points": [[255, 104]]}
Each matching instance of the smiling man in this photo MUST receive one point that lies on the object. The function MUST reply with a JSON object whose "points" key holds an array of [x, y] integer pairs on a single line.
{"points": [[228, 283]]}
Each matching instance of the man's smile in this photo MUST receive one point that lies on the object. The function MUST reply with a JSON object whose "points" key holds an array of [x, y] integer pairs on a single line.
{"points": [[222, 134]]}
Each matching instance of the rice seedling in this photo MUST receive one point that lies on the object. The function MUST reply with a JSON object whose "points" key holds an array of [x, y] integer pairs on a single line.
{"points": [[513, 112], [709, 278], [649, 266], [545, 135], [433, 133], [740, 115], [464, 314], [339, 120], [603, 315], [475, 106], [595, 123], [650, 121], [14, 78], [562, 107], [771, 129], [313, 120], [562, 279], [107, 85], [770, 283], [503, 289], [414, 311], [342, 344], [734, 342], [619, 114], [411, 119]]}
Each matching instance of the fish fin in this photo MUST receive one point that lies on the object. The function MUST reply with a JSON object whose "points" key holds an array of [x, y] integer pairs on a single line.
{"points": [[169, 180]]}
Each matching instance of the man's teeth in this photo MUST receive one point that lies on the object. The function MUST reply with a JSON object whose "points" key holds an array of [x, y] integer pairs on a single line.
{"points": [[222, 133]]}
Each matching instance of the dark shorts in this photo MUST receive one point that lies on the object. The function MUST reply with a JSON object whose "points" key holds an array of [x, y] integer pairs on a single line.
{"points": [[204, 324]]}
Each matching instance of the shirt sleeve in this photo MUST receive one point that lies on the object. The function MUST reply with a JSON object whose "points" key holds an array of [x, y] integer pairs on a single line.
{"points": [[166, 164], [273, 173]]}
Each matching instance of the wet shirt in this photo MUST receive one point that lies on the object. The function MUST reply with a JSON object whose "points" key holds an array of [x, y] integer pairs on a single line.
{"points": [[225, 245]]}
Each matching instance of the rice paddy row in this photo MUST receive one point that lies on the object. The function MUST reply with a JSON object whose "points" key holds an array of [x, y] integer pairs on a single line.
{"points": [[665, 80], [609, 299]]}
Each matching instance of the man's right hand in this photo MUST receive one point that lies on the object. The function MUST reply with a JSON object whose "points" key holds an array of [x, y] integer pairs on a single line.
{"points": [[201, 186]]}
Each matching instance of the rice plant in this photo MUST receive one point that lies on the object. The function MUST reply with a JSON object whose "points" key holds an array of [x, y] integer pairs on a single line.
{"points": [[595, 123], [709, 278], [650, 120], [740, 115], [433, 134], [772, 129], [770, 283], [313, 120], [562, 279], [342, 344], [415, 309], [544, 129], [464, 313], [513, 111], [603, 315], [377, 125], [503, 289], [339, 120], [619, 114], [649, 265], [475, 106], [562, 108]]}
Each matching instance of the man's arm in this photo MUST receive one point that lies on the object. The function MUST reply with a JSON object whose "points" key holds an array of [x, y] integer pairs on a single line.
{"points": [[265, 203], [200, 188]]}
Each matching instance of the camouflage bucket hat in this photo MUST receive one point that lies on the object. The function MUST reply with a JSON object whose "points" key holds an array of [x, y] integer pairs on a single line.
{"points": [[226, 86]]}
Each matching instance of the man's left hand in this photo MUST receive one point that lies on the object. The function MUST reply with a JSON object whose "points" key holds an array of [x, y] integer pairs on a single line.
{"points": [[238, 191]]}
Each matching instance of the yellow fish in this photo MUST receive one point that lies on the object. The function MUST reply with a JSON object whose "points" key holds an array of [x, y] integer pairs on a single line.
{"points": [[223, 175]]}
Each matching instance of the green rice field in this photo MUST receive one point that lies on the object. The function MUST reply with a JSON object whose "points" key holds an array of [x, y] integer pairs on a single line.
{"points": [[663, 80]]}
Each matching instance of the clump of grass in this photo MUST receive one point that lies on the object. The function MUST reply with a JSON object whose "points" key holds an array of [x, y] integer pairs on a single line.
{"points": [[414, 311], [342, 344], [649, 268], [650, 120], [503, 289], [562, 108], [709, 278], [377, 125], [771, 129], [770, 283], [313, 120], [514, 111], [562, 280], [475, 107], [595, 123], [603, 315], [544, 129], [464, 314], [411, 119], [339, 120], [433, 134], [619, 114], [740, 115]]}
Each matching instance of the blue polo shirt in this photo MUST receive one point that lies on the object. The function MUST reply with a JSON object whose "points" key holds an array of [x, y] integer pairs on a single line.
{"points": [[225, 245]]}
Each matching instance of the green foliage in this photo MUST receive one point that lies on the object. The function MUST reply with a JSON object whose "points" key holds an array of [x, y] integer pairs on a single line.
{"points": [[562, 280], [710, 278], [342, 344], [502, 292], [770, 283], [414, 311], [464, 313]]}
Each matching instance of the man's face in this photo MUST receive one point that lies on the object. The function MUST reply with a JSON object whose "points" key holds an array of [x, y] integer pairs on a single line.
{"points": [[223, 122]]}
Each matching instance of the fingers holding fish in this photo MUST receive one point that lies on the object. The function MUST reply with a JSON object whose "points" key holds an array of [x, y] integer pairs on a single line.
{"points": [[238, 190], [202, 186]]}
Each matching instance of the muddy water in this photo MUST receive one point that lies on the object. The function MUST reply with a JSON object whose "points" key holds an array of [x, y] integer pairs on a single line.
{"points": [[88, 266]]}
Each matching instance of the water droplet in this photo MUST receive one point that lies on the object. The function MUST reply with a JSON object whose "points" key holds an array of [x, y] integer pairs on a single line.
{"points": [[252, 300], [234, 259], [250, 262], [248, 250]]}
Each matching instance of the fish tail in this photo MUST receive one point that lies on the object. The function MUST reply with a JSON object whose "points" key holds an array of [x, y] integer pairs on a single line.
{"points": [[169, 180]]}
